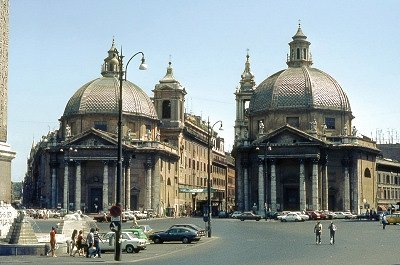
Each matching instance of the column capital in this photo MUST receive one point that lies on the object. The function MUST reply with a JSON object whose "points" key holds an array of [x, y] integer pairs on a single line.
{"points": [[148, 164], [260, 161]]}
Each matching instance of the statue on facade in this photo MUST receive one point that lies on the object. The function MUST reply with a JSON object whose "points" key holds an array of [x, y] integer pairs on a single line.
{"points": [[261, 127], [345, 130], [68, 131], [246, 133], [354, 131], [324, 127], [314, 125]]}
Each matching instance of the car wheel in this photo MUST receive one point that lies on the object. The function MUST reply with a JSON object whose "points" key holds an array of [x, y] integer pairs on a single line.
{"points": [[284, 220], [157, 240], [185, 240], [241, 219], [129, 249], [258, 219], [136, 250]]}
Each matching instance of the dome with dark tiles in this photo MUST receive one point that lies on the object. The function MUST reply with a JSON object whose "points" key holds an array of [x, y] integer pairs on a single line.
{"points": [[100, 96], [299, 86]]}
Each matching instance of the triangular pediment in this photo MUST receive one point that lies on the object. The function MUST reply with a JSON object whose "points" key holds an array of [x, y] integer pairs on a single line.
{"points": [[93, 137], [288, 135]]}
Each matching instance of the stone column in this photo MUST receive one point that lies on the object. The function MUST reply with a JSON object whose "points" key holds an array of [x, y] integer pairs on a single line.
{"points": [[302, 188], [261, 195], [239, 184], [78, 186], [273, 185], [246, 189], [105, 185], [315, 190], [53, 186], [156, 201], [325, 185], [346, 199], [128, 184], [66, 184], [148, 166]]}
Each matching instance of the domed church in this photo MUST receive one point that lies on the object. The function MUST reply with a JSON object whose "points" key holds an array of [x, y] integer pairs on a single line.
{"points": [[75, 167], [296, 147]]}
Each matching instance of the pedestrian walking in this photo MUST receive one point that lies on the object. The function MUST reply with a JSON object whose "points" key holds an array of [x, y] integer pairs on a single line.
{"points": [[332, 231], [73, 241], [53, 242], [318, 232], [89, 242], [384, 221], [80, 246], [96, 242]]}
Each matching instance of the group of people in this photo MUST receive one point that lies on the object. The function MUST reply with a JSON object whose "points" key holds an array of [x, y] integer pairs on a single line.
{"points": [[89, 246], [318, 231]]}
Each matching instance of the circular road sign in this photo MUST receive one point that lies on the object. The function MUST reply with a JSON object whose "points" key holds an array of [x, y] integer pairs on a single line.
{"points": [[115, 211]]}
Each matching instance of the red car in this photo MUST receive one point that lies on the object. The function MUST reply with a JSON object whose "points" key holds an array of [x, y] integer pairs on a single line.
{"points": [[314, 215]]}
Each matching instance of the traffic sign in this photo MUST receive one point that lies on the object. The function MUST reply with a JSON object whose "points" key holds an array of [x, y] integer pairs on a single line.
{"points": [[115, 211], [115, 226]]}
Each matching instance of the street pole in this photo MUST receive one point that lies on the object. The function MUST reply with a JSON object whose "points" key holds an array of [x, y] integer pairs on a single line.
{"points": [[142, 66], [117, 255], [209, 132]]}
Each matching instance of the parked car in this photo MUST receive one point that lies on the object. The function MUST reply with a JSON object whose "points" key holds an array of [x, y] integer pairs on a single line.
{"points": [[198, 229], [139, 215], [137, 231], [327, 215], [292, 217], [184, 234], [102, 217], [129, 242], [271, 215], [236, 214], [223, 214], [345, 215], [393, 218], [303, 216], [313, 215], [249, 216], [147, 229]]}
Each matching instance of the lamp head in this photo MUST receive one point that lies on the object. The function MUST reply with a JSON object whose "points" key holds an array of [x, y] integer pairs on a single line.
{"points": [[220, 127], [143, 65]]}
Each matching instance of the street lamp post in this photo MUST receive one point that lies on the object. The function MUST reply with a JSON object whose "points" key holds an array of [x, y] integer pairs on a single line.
{"points": [[209, 132], [121, 72]]}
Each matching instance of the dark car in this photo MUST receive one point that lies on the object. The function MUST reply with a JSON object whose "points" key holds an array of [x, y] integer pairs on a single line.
{"points": [[184, 234], [271, 215], [249, 216], [313, 215], [198, 229]]}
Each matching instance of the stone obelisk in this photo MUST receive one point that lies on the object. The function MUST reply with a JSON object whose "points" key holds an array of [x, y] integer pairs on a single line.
{"points": [[6, 154]]}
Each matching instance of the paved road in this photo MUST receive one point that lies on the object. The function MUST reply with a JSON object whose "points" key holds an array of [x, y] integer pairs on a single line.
{"points": [[250, 242]]}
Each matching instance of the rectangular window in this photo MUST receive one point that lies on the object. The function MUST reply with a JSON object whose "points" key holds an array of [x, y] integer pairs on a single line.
{"points": [[100, 125], [330, 123], [293, 121]]}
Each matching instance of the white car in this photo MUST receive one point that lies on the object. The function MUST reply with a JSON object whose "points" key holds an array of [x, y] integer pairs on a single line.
{"points": [[236, 214], [129, 242], [303, 216], [139, 215], [291, 217], [345, 215]]}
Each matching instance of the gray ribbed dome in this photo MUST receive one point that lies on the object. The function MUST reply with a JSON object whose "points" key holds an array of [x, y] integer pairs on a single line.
{"points": [[299, 87], [101, 96]]}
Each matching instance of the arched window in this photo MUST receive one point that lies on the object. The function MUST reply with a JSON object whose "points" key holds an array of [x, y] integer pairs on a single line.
{"points": [[298, 54], [169, 182], [367, 173], [166, 109], [387, 179]]}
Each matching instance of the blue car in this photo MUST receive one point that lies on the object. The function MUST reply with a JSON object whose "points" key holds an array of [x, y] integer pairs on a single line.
{"points": [[184, 234]]}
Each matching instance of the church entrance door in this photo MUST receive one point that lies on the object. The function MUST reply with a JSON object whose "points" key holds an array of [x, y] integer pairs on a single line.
{"points": [[291, 199]]}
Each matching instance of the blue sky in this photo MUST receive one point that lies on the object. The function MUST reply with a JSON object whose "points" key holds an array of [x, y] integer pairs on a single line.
{"points": [[57, 46]]}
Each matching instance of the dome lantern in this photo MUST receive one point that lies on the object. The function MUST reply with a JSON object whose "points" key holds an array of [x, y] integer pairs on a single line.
{"points": [[247, 77], [299, 50], [111, 63]]}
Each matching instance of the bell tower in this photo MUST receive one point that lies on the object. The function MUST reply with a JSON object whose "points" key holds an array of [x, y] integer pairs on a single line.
{"points": [[6, 155], [169, 101], [243, 95]]}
